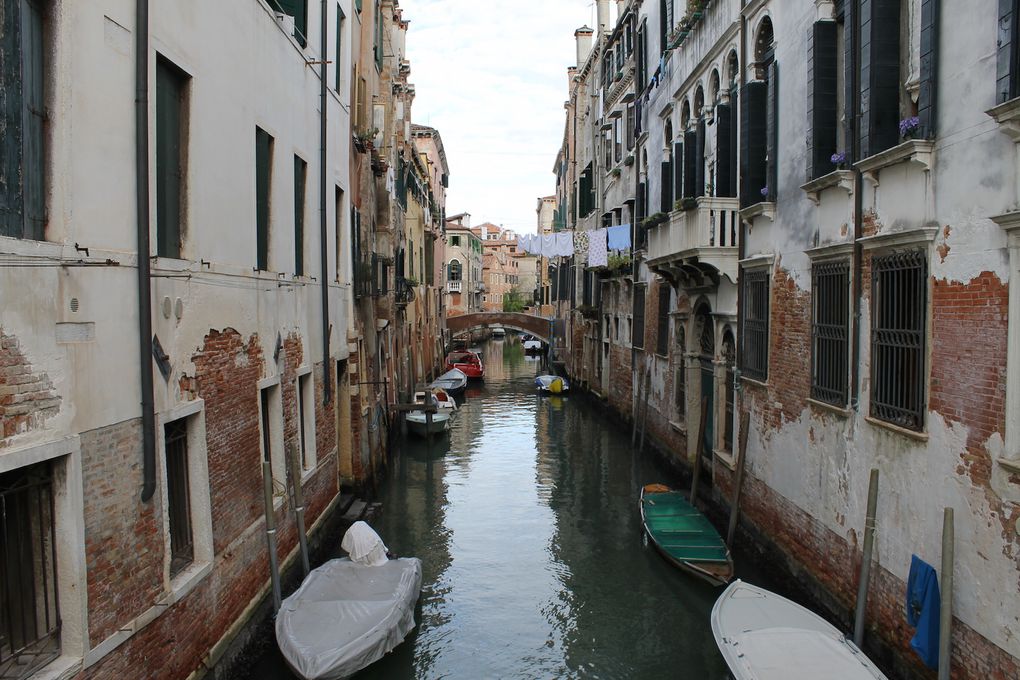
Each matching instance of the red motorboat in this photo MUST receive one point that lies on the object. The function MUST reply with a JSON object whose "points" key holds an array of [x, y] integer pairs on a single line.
{"points": [[466, 361]]}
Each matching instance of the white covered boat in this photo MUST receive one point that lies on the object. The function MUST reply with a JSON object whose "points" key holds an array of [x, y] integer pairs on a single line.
{"points": [[764, 636], [553, 384], [453, 381], [418, 422], [351, 611]]}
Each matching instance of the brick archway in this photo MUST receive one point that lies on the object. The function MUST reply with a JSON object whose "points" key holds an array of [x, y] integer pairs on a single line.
{"points": [[538, 326]]}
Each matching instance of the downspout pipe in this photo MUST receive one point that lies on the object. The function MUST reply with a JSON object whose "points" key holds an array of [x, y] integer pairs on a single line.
{"points": [[144, 284], [854, 148], [741, 248], [324, 256]]}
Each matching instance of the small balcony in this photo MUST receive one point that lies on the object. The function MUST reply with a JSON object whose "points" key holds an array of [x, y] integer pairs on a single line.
{"points": [[699, 243], [454, 286]]}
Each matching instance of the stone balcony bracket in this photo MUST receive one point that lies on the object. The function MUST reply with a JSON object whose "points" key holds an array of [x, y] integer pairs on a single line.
{"points": [[843, 179], [918, 151], [1007, 115], [766, 209]]}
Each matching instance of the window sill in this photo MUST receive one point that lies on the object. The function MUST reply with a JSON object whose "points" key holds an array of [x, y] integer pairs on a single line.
{"points": [[896, 429], [843, 179], [727, 459], [1011, 465], [679, 427], [841, 411], [919, 151], [61, 668], [1007, 115], [754, 382]]}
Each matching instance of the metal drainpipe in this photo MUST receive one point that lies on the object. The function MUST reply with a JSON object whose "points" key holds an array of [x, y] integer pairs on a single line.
{"points": [[144, 284], [855, 320], [324, 259], [741, 250]]}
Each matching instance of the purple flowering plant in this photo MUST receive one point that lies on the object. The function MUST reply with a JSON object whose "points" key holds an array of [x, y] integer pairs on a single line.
{"points": [[908, 125], [838, 158], [765, 192]]}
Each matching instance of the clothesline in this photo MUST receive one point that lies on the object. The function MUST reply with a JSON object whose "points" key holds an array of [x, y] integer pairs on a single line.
{"points": [[593, 245]]}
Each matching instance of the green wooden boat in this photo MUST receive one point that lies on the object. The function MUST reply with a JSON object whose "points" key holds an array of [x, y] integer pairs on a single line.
{"points": [[684, 536]]}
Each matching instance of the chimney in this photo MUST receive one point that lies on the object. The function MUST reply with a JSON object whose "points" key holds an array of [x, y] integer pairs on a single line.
{"points": [[603, 16], [583, 38]]}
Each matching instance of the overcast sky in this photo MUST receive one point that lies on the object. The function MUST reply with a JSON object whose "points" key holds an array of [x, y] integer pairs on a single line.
{"points": [[491, 76]]}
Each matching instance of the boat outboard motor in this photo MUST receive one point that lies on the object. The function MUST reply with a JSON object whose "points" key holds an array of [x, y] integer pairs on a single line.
{"points": [[364, 546]]}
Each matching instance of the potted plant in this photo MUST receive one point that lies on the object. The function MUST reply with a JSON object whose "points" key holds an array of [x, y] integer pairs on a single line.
{"points": [[909, 127], [588, 311], [655, 220], [619, 76], [764, 193], [615, 172], [617, 263], [629, 160], [839, 160]]}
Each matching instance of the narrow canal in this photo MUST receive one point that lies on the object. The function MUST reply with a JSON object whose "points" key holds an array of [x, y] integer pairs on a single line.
{"points": [[534, 564]]}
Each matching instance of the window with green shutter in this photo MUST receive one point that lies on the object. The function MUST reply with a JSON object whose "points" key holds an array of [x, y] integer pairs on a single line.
{"points": [[263, 180], [299, 10], [171, 85], [379, 36], [22, 121], [338, 54], [300, 173]]}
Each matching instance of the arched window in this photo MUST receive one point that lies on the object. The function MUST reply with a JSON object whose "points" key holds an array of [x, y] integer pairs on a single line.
{"points": [[733, 69], [667, 134], [699, 102], [764, 48], [685, 115], [455, 271], [713, 86]]}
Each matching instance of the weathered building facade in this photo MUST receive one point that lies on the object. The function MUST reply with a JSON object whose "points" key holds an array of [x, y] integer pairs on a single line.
{"points": [[463, 267], [825, 222], [182, 240]]}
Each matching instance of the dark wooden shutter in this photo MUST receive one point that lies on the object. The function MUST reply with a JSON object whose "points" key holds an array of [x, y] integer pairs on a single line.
{"points": [[734, 178], [690, 162], [928, 95], [880, 76], [638, 326], [642, 76], [33, 169], [752, 142], [772, 133], [822, 86], [338, 50], [666, 187], [1005, 62], [678, 171], [12, 216], [663, 27], [299, 215], [641, 235], [851, 81], [263, 161], [723, 146], [699, 158], [169, 156]]}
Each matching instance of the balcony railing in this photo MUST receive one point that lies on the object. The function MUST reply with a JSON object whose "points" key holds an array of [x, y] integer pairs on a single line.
{"points": [[454, 286], [707, 234]]}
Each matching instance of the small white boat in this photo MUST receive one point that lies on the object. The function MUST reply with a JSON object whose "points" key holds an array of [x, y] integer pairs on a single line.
{"points": [[553, 384], [418, 421], [453, 381], [350, 612], [498, 332], [532, 345], [764, 636]]}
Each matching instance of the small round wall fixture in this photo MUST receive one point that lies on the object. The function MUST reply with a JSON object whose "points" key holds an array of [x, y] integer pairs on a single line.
{"points": [[167, 307]]}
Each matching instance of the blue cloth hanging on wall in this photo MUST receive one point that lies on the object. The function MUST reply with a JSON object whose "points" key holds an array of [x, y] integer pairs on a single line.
{"points": [[923, 610]]}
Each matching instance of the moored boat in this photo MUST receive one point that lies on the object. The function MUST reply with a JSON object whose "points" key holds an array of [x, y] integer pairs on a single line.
{"points": [[498, 332], [466, 361], [453, 381], [422, 423], [552, 384], [764, 636], [351, 611], [684, 536], [532, 345]]}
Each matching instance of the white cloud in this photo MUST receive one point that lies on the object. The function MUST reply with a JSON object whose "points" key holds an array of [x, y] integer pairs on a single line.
{"points": [[491, 76]]}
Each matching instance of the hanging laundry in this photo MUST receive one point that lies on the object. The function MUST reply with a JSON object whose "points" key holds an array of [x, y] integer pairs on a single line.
{"points": [[522, 243], [923, 610], [565, 243], [548, 246], [598, 255], [619, 237], [581, 244]]}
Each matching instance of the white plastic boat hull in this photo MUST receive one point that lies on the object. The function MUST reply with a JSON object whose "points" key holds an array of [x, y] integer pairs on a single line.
{"points": [[764, 636], [418, 424]]}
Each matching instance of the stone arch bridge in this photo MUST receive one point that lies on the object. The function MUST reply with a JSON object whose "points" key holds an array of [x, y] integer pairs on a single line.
{"points": [[542, 328]]}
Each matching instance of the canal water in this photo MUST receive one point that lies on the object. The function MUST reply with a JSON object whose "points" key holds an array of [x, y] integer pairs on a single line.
{"points": [[526, 520]]}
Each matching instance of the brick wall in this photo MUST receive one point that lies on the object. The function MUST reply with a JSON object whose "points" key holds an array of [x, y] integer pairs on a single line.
{"points": [[27, 397], [123, 535]]}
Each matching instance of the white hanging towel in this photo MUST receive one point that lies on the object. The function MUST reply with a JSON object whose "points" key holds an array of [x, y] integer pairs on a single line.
{"points": [[548, 247], [598, 255], [565, 244]]}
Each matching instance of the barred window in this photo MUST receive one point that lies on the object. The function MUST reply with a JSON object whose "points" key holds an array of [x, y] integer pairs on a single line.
{"points": [[899, 288], [638, 327], [182, 545], [662, 340], [755, 351], [830, 322]]}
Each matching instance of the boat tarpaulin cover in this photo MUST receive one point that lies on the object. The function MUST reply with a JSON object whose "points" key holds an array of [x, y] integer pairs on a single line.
{"points": [[363, 545], [923, 610], [346, 616]]}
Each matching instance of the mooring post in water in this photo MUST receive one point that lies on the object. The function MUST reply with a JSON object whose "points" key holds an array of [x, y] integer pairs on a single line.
{"points": [[946, 612], [644, 409], [274, 566], [869, 546], [428, 429], [738, 484], [299, 509], [696, 473], [634, 413]]}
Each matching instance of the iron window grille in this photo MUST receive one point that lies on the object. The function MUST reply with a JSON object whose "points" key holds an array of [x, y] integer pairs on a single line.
{"points": [[638, 324], [755, 352], [729, 357], [830, 331], [30, 620], [899, 286], [182, 546], [662, 339], [680, 395]]}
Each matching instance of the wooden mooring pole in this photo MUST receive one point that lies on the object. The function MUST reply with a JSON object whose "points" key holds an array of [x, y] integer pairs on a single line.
{"points": [[869, 546], [738, 484], [946, 611], [274, 565], [299, 509], [644, 410], [696, 473]]}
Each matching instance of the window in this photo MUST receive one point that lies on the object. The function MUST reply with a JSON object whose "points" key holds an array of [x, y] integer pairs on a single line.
{"points": [[759, 123], [638, 328], [306, 419], [662, 341], [338, 53], [729, 358], [824, 80], [631, 123], [338, 228], [617, 140], [171, 114], [182, 544], [270, 416], [263, 180], [830, 330], [300, 172], [899, 289], [30, 625], [379, 36], [23, 144], [299, 10], [755, 354], [680, 377], [665, 23], [1008, 62], [455, 241]]}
